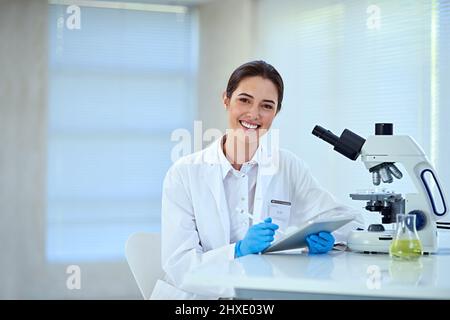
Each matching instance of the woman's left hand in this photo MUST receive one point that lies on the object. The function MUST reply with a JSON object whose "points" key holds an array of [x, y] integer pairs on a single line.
{"points": [[321, 242]]}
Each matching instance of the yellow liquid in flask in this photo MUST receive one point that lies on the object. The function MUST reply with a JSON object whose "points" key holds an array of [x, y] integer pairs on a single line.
{"points": [[406, 249]]}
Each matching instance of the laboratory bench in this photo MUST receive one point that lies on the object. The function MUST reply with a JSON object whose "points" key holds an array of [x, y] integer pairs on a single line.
{"points": [[335, 275]]}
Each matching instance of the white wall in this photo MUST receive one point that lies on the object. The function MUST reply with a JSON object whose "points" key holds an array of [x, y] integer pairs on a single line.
{"points": [[23, 50], [226, 41]]}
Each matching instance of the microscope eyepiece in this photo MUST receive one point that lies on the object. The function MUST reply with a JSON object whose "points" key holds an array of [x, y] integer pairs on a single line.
{"points": [[325, 135], [384, 129], [348, 144]]}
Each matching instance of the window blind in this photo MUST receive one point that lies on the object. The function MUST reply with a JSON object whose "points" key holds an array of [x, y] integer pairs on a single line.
{"points": [[119, 85]]}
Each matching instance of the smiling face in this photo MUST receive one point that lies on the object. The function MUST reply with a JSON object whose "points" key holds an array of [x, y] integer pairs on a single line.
{"points": [[251, 107]]}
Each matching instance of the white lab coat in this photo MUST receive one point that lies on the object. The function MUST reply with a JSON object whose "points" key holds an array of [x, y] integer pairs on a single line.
{"points": [[196, 221]]}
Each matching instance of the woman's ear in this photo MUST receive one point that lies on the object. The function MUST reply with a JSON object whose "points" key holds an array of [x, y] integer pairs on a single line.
{"points": [[225, 100]]}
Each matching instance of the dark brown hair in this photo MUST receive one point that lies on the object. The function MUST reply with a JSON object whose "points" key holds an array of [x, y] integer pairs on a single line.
{"points": [[253, 69]]}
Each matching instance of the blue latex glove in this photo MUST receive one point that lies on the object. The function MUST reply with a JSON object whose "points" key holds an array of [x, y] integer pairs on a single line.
{"points": [[257, 239], [321, 242]]}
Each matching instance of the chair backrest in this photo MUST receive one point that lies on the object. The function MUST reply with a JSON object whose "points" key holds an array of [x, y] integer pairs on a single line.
{"points": [[143, 253]]}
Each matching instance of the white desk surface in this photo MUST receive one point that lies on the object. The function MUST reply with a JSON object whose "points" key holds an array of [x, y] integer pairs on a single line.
{"points": [[334, 275]]}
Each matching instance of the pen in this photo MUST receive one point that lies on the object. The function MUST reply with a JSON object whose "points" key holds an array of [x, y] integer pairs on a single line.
{"points": [[253, 219]]}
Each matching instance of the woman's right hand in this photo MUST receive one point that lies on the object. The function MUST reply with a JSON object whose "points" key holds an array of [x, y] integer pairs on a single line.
{"points": [[257, 239]]}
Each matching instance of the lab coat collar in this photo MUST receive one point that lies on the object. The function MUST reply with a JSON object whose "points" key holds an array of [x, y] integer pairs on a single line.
{"points": [[225, 164]]}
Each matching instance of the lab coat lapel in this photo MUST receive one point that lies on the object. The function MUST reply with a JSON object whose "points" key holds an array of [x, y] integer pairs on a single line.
{"points": [[262, 184], [268, 166], [213, 179]]}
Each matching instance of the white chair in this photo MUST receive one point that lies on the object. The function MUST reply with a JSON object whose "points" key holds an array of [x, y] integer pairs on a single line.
{"points": [[143, 253]]}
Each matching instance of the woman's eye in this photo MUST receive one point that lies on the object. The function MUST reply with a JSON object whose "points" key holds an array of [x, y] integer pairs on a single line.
{"points": [[268, 106], [244, 100]]}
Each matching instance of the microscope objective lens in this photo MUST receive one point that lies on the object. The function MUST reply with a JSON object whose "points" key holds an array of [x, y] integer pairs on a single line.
{"points": [[386, 175], [376, 179], [395, 171]]}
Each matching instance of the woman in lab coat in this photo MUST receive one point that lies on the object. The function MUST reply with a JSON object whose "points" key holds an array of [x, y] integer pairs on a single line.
{"points": [[209, 196]]}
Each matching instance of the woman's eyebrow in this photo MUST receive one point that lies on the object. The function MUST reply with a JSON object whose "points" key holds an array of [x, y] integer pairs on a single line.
{"points": [[250, 96], [245, 94], [271, 101]]}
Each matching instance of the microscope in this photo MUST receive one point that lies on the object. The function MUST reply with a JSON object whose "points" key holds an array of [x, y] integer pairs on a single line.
{"points": [[379, 154]]}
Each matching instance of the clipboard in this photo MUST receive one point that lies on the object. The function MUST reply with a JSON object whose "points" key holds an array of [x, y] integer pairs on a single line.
{"points": [[297, 238]]}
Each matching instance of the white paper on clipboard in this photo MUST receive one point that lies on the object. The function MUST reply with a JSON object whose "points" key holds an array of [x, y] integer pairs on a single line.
{"points": [[296, 236]]}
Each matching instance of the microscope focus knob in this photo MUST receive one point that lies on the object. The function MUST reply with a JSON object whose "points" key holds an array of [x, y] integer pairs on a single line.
{"points": [[421, 219]]}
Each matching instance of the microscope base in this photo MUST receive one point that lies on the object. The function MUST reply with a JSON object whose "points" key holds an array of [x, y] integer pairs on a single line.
{"points": [[377, 242], [365, 241]]}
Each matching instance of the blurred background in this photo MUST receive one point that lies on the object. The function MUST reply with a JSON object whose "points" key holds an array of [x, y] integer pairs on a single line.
{"points": [[91, 92]]}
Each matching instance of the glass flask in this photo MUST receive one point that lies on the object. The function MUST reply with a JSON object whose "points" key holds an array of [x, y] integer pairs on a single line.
{"points": [[406, 244]]}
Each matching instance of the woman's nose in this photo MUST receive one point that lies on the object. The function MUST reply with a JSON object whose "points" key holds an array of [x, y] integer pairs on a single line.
{"points": [[253, 112]]}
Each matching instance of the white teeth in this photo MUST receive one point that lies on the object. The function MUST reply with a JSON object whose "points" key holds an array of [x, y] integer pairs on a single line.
{"points": [[248, 125]]}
